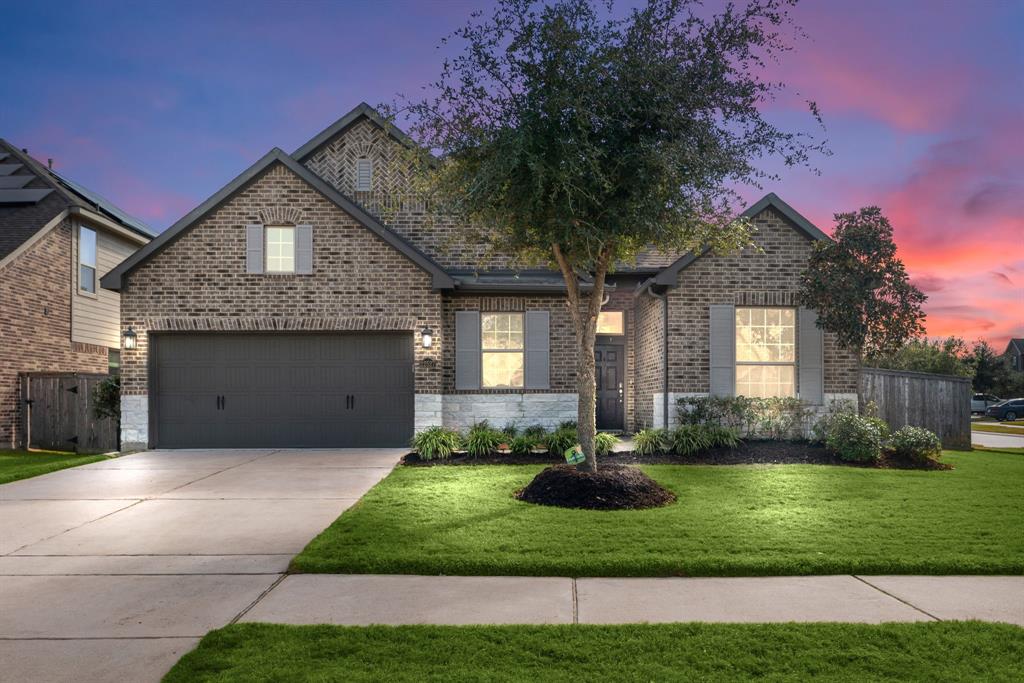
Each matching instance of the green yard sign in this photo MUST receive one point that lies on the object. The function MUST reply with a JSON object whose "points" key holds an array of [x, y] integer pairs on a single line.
{"points": [[574, 456]]}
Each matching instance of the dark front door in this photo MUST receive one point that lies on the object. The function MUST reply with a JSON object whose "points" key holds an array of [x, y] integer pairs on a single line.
{"points": [[283, 390], [610, 371]]}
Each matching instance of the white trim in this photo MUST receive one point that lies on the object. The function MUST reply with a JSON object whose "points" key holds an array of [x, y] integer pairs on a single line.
{"points": [[108, 225]]}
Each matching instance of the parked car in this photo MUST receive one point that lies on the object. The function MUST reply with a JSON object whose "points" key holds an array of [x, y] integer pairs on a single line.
{"points": [[981, 402], [1010, 409]]}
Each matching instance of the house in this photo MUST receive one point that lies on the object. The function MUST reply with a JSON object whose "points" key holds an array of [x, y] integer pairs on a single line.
{"points": [[311, 302], [1015, 354], [56, 240]]}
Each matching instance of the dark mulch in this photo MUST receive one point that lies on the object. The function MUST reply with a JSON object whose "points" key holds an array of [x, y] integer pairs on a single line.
{"points": [[612, 487], [749, 453]]}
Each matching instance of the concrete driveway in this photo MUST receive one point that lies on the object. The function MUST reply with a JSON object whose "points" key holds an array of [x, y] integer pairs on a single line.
{"points": [[111, 571]]}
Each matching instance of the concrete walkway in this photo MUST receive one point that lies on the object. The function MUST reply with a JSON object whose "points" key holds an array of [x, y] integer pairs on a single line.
{"points": [[112, 571]]}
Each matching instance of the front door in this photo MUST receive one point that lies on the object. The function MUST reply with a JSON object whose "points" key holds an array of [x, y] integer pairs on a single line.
{"points": [[610, 371]]}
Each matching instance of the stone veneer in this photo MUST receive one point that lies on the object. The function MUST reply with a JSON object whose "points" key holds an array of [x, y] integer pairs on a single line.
{"points": [[459, 411]]}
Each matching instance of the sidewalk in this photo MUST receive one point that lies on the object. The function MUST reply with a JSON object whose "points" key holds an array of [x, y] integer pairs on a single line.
{"points": [[401, 599]]}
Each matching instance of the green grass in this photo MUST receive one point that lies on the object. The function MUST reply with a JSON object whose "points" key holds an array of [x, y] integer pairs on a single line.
{"points": [[728, 521], [15, 465], [998, 428], [949, 651]]}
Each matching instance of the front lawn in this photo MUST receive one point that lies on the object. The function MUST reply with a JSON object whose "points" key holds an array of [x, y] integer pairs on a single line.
{"points": [[15, 465], [728, 521], [949, 651]]}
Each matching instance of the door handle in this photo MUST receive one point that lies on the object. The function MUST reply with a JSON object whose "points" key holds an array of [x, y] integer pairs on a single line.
{"points": [[223, 402], [353, 401]]}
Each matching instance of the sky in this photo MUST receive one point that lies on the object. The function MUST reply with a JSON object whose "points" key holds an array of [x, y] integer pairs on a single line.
{"points": [[158, 105]]}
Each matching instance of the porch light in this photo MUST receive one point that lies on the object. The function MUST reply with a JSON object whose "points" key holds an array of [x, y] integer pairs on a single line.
{"points": [[427, 336], [130, 338]]}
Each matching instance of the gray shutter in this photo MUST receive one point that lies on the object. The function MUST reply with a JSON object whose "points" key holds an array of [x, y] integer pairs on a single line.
{"points": [[538, 350], [723, 350], [467, 350], [810, 358], [254, 248], [304, 249]]}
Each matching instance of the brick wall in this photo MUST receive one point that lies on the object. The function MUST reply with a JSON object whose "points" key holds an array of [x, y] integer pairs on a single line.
{"points": [[745, 278], [563, 339], [35, 316], [358, 281], [648, 340]]}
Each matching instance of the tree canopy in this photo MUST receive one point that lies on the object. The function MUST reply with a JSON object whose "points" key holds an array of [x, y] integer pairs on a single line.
{"points": [[860, 288]]}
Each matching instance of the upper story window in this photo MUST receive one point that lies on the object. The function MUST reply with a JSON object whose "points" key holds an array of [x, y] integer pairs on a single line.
{"points": [[503, 361], [364, 175], [611, 322], [280, 249], [86, 260], [765, 352]]}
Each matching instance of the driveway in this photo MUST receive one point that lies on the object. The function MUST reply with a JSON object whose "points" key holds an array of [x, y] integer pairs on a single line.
{"points": [[111, 571]]}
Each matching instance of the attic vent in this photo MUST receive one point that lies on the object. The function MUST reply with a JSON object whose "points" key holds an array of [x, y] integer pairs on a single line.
{"points": [[364, 175]]}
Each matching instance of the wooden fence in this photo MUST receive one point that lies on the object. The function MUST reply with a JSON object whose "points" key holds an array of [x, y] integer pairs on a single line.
{"points": [[59, 414], [941, 403]]}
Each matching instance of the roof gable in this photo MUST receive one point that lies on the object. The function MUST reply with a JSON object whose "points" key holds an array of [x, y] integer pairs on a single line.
{"points": [[670, 275], [114, 280], [362, 110]]}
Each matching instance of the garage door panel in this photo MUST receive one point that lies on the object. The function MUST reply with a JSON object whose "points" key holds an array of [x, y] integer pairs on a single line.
{"points": [[281, 390]]}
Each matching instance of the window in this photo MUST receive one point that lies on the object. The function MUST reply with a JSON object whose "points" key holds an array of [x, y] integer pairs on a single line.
{"points": [[86, 259], [765, 352], [364, 175], [280, 250], [501, 343], [113, 361], [610, 322]]}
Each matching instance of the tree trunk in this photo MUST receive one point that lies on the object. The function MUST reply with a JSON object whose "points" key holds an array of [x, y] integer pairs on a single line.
{"points": [[584, 322]]}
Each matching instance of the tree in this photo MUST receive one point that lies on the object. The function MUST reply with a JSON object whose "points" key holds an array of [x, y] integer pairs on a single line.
{"points": [[860, 288], [949, 356], [993, 373], [569, 136]]}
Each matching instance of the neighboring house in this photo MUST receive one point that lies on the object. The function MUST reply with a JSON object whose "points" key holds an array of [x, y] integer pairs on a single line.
{"points": [[311, 302], [1015, 353], [56, 240]]}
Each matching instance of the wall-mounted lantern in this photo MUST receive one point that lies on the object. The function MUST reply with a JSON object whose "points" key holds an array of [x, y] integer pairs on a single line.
{"points": [[130, 338], [427, 336]]}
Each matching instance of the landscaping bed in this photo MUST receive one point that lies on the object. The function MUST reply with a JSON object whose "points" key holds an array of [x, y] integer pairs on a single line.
{"points": [[727, 521], [748, 453], [947, 651], [612, 487]]}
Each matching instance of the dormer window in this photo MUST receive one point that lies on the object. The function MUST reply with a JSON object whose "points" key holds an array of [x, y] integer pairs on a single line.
{"points": [[364, 175]]}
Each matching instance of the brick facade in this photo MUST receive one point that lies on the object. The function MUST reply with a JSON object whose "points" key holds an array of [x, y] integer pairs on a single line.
{"points": [[200, 282], [35, 315], [769, 277]]}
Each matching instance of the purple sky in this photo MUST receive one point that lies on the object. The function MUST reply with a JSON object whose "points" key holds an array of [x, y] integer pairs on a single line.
{"points": [[158, 105]]}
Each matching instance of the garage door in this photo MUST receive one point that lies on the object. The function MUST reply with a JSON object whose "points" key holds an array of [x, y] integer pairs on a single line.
{"points": [[283, 390]]}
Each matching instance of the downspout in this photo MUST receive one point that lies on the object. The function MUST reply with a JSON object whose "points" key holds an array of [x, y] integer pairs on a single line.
{"points": [[664, 350]]}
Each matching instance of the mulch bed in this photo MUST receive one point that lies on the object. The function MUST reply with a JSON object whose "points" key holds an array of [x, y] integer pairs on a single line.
{"points": [[749, 453], [612, 487]]}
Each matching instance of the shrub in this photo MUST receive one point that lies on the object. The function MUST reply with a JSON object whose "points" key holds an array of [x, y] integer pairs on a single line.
{"points": [[603, 443], [436, 442], [722, 437], [855, 438], [482, 440], [510, 431], [535, 431], [648, 441], [916, 443], [765, 418], [523, 444], [689, 439], [568, 424], [819, 432], [561, 440], [106, 398]]}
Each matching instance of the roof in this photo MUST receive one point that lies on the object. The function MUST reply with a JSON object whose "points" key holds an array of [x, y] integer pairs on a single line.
{"points": [[670, 275], [1017, 344], [32, 195], [114, 279], [361, 110]]}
